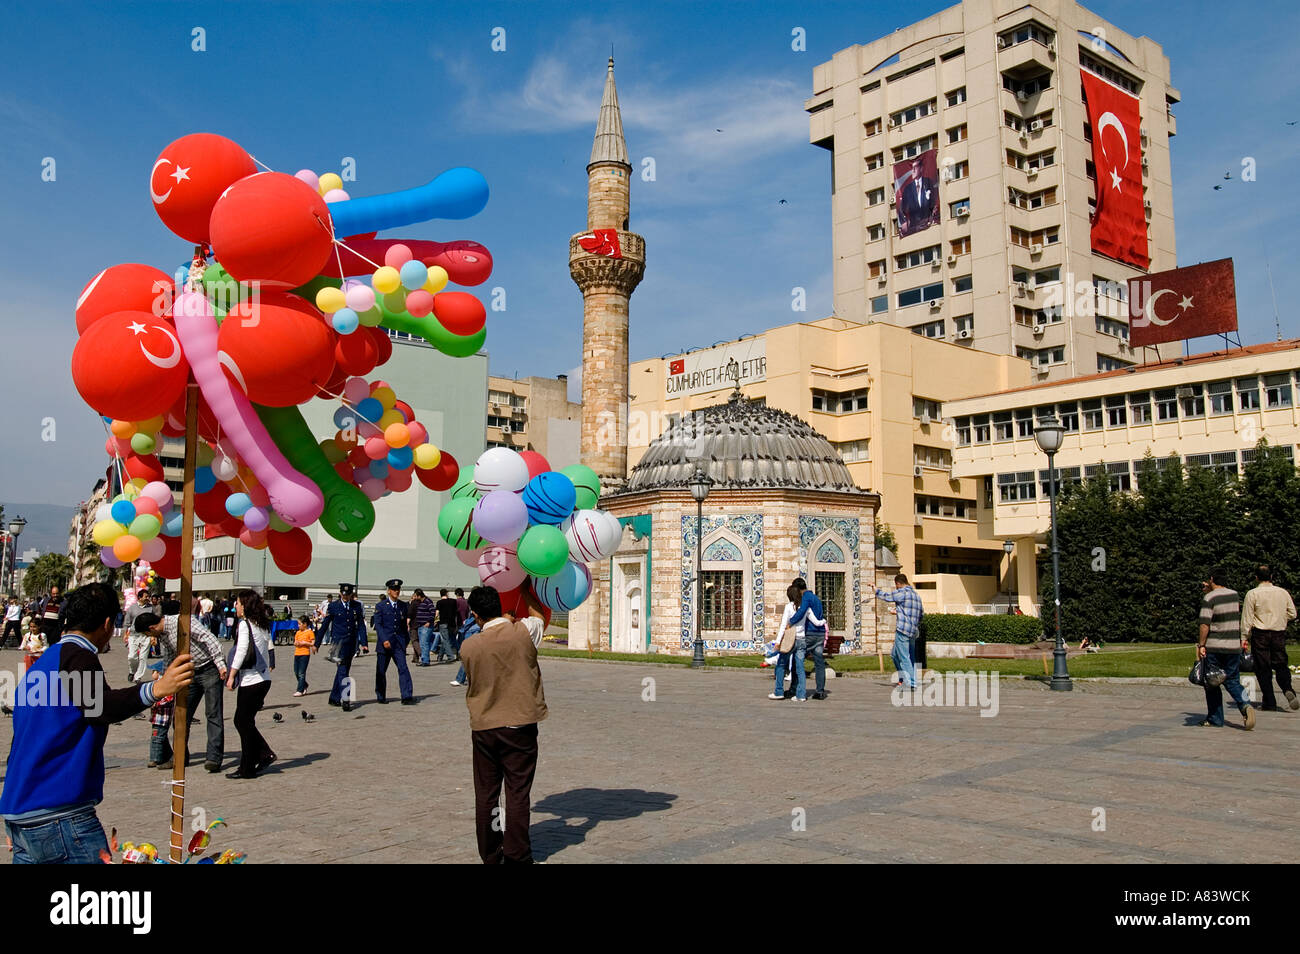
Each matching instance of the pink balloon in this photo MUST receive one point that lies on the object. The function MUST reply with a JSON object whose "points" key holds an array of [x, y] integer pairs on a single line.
{"points": [[356, 390], [154, 549], [160, 493], [499, 567], [468, 557], [147, 505], [376, 385], [419, 303], [418, 434], [367, 430], [360, 298], [309, 177], [373, 488], [396, 256], [376, 448], [336, 195]]}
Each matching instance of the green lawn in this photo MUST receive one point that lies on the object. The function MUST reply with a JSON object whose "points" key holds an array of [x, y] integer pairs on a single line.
{"points": [[1117, 659]]}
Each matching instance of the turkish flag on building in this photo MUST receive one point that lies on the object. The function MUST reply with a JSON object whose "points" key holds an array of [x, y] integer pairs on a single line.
{"points": [[1119, 228], [1183, 303], [677, 367], [602, 242]]}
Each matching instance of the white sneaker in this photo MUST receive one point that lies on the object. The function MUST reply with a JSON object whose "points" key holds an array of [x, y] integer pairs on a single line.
{"points": [[457, 682], [773, 695], [297, 693]]}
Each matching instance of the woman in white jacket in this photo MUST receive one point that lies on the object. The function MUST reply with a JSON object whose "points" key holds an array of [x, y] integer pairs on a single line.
{"points": [[251, 677], [789, 639]]}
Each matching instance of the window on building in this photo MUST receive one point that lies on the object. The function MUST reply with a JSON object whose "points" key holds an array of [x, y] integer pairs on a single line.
{"points": [[839, 402], [1192, 398], [1248, 394], [957, 134], [904, 116], [960, 207], [875, 233], [930, 329], [1225, 461], [875, 161], [879, 304], [957, 96], [924, 407], [960, 246], [1116, 413], [1031, 200], [1139, 405], [1107, 363], [1166, 405], [958, 170], [982, 429], [494, 420], [1047, 275], [1064, 475], [1003, 428], [872, 127], [1104, 70], [853, 451], [876, 269], [937, 458], [1024, 422], [964, 323], [1050, 356], [1220, 397], [913, 149], [1111, 327], [922, 293], [961, 284], [922, 256], [830, 589], [1017, 486], [722, 600], [1092, 415], [1068, 414], [1119, 476], [499, 397], [1201, 461], [988, 491], [875, 197], [962, 426], [1277, 390], [1024, 33]]}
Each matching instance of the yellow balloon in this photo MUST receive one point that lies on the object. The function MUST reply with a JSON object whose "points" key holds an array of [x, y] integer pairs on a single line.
{"points": [[437, 279], [385, 396], [134, 486], [330, 299], [151, 426], [106, 531], [386, 279], [388, 418], [426, 456], [328, 182]]}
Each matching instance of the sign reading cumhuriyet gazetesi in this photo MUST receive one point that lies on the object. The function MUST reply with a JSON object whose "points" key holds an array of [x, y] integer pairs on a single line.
{"points": [[719, 367]]}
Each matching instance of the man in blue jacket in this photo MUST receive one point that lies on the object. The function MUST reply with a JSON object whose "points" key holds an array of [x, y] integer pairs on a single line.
{"points": [[347, 623], [391, 632], [62, 710], [814, 639]]}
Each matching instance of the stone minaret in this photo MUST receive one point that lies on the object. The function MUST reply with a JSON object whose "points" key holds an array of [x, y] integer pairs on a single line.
{"points": [[606, 283]]}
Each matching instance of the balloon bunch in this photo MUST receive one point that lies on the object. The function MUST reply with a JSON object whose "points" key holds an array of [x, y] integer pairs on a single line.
{"points": [[528, 529], [270, 314], [380, 446], [146, 853]]}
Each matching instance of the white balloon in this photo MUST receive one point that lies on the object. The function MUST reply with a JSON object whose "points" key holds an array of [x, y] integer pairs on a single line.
{"points": [[592, 535], [500, 468], [223, 468], [103, 512]]}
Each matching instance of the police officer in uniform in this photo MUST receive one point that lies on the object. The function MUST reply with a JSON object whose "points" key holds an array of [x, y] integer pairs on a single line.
{"points": [[347, 621], [392, 634]]}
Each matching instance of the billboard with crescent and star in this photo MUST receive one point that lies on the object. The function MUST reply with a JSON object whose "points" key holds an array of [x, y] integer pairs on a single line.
{"points": [[1183, 303], [1119, 228]]}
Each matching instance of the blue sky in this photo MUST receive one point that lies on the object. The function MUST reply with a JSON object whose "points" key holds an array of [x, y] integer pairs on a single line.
{"points": [[409, 89]]}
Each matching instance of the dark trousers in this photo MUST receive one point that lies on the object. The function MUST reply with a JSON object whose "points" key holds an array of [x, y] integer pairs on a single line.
{"points": [[918, 651], [397, 653], [1268, 646], [207, 685], [344, 690], [300, 670], [509, 757], [252, 747], [12, 625], [322, 631]]}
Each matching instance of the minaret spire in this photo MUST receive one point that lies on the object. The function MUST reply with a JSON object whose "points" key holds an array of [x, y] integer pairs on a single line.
{"points": [[609, 145]]}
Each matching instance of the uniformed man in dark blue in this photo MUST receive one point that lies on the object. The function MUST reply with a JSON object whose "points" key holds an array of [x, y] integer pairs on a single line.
{"points": [[392, 635], [347, 622]]}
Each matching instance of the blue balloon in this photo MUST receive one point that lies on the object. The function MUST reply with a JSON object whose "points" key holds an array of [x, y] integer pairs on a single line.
{"points": [[413, 274], [459, 193], [204, 480], [345, 321], [369, 409], [123, 512], [549, 497], [379, 468], [238, 504], [565, 590], [173, 524], [399, 458], [344, 418]]}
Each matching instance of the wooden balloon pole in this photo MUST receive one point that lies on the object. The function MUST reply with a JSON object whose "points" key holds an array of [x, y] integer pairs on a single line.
{"points": [[182, 711]]}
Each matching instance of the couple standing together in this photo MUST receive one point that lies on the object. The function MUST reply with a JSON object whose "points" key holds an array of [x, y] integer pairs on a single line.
{"points": [[803, 632]]}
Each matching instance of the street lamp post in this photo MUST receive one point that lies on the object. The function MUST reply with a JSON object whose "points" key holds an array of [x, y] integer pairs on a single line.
{"points": [[1048, 433], [16, 526], [1009, 547], [700, 483]]}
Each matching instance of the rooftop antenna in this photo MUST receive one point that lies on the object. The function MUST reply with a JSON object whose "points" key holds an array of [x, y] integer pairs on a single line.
{"points": [[1277, 322]]}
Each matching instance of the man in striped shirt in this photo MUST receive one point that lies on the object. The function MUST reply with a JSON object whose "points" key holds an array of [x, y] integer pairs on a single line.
{"points": [[907, 627], [1220, 642]]}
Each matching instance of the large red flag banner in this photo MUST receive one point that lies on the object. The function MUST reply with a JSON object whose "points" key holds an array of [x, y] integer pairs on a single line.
{"points": [[1183, 303], [1119, 228]]}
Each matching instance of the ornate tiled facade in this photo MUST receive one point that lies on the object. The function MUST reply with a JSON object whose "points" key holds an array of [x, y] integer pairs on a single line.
{"points": [[846, 530], [749, 528]]}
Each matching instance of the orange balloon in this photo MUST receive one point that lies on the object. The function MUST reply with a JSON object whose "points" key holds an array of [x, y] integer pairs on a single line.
{"points": [[127, 548]]}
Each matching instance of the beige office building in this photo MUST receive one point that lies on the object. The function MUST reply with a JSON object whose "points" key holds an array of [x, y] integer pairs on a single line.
{"points": [[994, 86], [534, 414], [1209, 410], [876, 392]]}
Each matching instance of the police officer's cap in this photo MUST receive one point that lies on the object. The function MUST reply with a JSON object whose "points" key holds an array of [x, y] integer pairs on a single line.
{"points": [[394, 584], [345, 588]]}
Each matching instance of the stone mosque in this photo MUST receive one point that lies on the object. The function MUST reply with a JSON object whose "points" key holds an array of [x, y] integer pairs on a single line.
{"points": [[781, 504]]}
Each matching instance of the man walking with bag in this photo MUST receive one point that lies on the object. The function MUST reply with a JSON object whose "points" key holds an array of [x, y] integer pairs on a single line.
{"points": [[1220, 644], [1264, 618]]}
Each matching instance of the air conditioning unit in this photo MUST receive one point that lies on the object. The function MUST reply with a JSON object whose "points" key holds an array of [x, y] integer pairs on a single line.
{"points": [[1145, 165], [936, 304], [946, 174], [964, 334], [952, 259], [893, 200], [917, 470], [1038, 331], [1032, 172], [1035, 249], [1042, 370], [919, 520], [1022, 96], [1051, 48], [925, 418], [1184, 393], [1146, 204], [1002, 43], [882, 278], [1035, 125], [1143, 134], [963, 212], [1022, 289]]}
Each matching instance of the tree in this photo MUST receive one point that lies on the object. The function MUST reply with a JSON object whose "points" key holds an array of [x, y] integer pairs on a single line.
{"points": [[885, 538], [46, 571]]}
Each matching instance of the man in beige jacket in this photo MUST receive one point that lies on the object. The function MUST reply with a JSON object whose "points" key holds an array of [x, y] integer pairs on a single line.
{"points": [[1264, 618], [505, 702]]}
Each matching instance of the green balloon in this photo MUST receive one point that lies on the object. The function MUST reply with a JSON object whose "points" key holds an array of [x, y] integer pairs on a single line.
{"points": [[456, 525], [586, 483], [277, 522], [466, 489], [543, 550], [348, 515], [431, 330], [142, 443], [145, 526]]}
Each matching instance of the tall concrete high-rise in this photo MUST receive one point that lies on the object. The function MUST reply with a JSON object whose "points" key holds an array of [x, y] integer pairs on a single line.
{"points": [[607, 262], [996, 87]]}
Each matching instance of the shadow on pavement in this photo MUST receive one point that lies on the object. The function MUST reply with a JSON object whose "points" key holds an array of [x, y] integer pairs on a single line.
{"points": [[591, 806]]}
